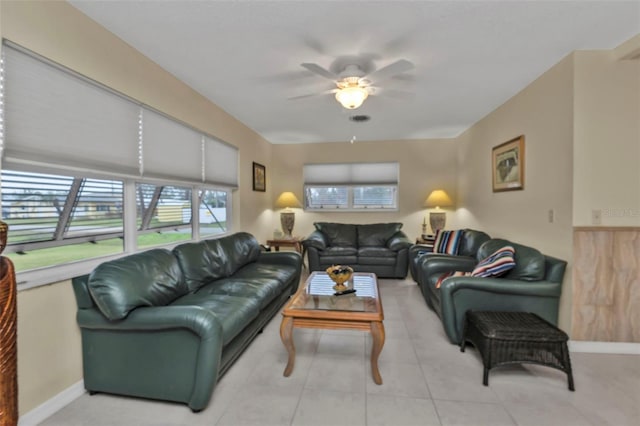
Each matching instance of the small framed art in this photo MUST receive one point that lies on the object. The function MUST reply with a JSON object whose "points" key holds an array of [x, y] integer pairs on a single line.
{"points": [[259, 177], [507, 162]]}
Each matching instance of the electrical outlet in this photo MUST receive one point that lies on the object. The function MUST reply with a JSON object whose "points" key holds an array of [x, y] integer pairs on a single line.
{"points": [[551, 215], [596, 217]]}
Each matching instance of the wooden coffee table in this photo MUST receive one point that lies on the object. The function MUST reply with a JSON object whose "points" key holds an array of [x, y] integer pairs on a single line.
{"points": [[316, 306]]}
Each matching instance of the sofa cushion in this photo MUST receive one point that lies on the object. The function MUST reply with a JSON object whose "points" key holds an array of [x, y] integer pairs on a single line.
{"points": [[530, 263], [338, 234], [376, 252], [208, 260], [447, 242], [376, 234], [471, 242], [376, 256], [233, 312], [496, 264], [150, 278]]}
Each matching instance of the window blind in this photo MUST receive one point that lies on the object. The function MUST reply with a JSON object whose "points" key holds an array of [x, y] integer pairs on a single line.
{"points": [[220, 163], [56, 119], [351, 174], [170, 150]]}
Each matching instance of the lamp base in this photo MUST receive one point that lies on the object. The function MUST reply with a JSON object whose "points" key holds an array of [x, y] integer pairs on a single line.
{"points": [[287, 220], [437, 220]]}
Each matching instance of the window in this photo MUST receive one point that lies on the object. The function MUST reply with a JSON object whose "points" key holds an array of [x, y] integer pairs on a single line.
{"points": [[80, 170], [351, 186], [57, 219], [163, 214], [212, 212]]}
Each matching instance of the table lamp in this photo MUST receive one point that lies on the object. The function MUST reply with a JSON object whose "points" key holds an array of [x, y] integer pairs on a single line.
{"points": [[438, 199], [287, 201]]}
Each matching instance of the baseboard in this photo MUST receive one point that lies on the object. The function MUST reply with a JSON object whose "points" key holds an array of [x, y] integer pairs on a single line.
{"points": [[52, 405], [622, 348]]}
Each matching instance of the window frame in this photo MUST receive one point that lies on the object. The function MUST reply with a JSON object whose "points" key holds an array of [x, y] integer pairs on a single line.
{"points": [[55, 273], [350, 205]]}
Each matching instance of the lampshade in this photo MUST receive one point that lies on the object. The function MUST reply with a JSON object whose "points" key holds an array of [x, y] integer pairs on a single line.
{"points": [[352, 97], [287, 200], [437, 199]]}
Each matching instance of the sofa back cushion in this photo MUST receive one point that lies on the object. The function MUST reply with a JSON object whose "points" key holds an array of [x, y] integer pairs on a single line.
{"points": [[530, 263], [471, 242], [209, 260], [338, 234], [150, 278], [376, 234]]}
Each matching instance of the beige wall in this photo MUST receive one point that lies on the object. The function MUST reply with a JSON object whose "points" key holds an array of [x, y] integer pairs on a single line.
{"points": [[48, 337], [425, 165], [543, 113], [607, 139]]}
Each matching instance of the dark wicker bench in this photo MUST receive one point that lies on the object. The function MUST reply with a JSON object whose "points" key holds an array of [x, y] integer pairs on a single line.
{"points": [[516, 337]]}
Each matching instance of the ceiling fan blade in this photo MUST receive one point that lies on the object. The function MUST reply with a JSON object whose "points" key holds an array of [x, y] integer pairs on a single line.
{"points": [[390, 70], [311, 95], [317, 69]]}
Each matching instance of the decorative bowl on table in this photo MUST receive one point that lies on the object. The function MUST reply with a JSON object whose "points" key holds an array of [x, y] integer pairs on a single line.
{"points": [[339, 274]]}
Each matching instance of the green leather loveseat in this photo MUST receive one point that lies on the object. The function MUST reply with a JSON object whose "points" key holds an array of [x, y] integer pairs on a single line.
{"points": [[381, 248], [167, 324], [533, 285]]}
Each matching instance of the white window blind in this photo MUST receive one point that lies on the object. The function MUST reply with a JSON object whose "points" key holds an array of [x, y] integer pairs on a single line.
{"points": [[220, 163], [170, 149], [351, 174], [57, 119]]}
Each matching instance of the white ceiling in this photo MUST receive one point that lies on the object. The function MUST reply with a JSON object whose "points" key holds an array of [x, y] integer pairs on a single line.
{"points": [[469, 56]]}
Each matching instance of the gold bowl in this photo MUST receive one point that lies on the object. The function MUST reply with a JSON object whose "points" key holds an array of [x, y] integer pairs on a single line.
{"points": [[339, 274]]}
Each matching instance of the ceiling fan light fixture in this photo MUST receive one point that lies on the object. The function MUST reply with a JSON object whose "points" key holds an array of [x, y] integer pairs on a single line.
{"points": [[351, 97]]}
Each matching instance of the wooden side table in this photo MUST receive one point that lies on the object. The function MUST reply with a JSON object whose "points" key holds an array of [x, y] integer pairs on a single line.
{"points": [[295, 242]]}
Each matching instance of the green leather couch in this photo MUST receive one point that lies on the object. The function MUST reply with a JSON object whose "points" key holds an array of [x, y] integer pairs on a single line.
{"points": [[167, 324], [533, 285], [470, 242], [381, 248]]}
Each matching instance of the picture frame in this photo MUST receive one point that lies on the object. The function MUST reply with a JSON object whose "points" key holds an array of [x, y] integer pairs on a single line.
{"points": [[507, 165], [259, 177]]}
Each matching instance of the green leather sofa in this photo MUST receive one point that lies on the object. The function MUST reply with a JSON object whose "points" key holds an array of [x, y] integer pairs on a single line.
{"points": [[533, 285], [167, 324], [469, 244], [381, 248]]}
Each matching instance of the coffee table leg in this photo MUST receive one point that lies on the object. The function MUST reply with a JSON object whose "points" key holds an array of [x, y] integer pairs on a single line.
{"points": [[286, 334], [377, 333]]}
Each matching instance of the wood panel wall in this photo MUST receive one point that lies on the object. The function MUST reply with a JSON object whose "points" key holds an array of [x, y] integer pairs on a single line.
{"points": [[606, 284]]}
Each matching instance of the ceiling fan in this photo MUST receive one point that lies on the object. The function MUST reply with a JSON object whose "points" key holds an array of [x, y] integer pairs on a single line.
{"points": [[353, 85]]}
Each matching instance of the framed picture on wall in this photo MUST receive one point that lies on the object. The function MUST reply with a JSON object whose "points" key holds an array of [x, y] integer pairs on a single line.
{"points": [[259, 177], [507, 163]]}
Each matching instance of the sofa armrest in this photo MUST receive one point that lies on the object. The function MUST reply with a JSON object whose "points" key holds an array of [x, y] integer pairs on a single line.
{"points": [[501, 286], [399, 241], [292, 258], [461, 294], [316, 240], [437, 264], [157, 318]]}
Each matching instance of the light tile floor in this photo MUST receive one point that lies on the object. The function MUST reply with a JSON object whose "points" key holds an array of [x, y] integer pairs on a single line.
{"points": [[426, 381]]}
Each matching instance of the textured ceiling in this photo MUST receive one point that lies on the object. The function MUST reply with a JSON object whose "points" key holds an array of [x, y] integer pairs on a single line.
{"points": [[469, 57]]}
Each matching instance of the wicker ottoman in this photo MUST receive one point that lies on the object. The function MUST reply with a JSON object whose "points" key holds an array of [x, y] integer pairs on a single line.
{"points": [[516, 337]]}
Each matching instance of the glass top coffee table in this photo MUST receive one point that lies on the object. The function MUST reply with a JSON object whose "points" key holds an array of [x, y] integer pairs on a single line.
{"points": [[316, 306]]}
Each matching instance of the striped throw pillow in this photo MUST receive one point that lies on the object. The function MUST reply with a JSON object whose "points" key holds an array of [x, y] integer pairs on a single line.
{"points": [[447, 242], [497, 264]]}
